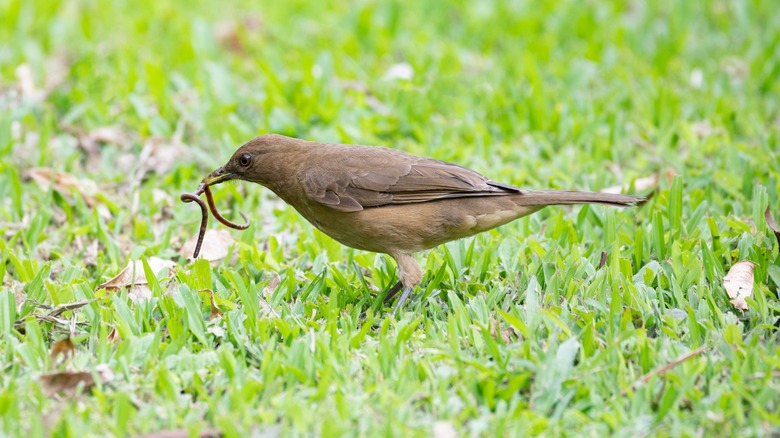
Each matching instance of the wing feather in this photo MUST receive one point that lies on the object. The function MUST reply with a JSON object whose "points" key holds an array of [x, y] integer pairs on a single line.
{"points": [[350, 178]]}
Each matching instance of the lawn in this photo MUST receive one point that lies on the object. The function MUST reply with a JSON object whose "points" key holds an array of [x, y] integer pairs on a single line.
{"points": [[579, 321]]}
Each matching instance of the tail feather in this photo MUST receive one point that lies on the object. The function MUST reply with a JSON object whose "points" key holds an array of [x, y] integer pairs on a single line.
{"points": [[557, 197]]}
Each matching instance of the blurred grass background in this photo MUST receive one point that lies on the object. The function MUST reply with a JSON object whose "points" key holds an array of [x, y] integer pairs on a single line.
{"points": [[517, 332]]}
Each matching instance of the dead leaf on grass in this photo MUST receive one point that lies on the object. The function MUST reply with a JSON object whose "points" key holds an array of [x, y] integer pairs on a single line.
{"points": [[90, 141], [73, 382], [507, 334], [739, 283], [113, 336], [401, 71], [640, 185], [159, 154], [215, 312], [133, 277], [67, 184], [181, 433], [215, 245], [444, 429], [64, 348]]}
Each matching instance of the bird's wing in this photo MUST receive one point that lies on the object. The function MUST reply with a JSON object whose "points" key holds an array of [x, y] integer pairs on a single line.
{"points": [[372, 177]]}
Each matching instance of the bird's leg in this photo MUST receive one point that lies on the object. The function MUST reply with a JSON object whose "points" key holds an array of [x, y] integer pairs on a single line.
{"points": [[409, 274], [391, 293], [407, 291]]}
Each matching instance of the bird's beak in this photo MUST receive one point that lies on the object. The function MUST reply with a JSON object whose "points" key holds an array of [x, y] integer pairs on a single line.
{"points": [[217, 176]]}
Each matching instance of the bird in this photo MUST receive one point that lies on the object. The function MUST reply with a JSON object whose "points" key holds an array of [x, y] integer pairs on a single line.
{"points": [[385, 200]]}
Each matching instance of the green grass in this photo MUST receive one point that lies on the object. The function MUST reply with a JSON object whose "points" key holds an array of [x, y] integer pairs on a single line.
{"points": [[517, 331]]}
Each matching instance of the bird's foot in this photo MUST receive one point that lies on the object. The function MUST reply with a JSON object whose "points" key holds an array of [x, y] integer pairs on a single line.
{"points": [[404, 296]]}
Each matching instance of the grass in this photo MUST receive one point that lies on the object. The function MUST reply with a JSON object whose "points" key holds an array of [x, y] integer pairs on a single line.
{"points": [[517, 331]]}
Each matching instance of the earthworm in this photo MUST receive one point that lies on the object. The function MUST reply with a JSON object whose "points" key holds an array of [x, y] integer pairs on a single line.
{"points": [[219, 217], [192, 197], [203, 188]]}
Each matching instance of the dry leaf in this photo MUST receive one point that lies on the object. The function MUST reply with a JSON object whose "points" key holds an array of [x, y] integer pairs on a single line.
{"points": [[739, 283], [26, 84], [401, 71], [133, 276], [506, 334], [159, 155], [65, 184], [444, 429], [640, 185], [215, 245], [62, 347], [772, 224], [181, 433], [113, 337], [215, 312], [69, 381], [704, 129]]}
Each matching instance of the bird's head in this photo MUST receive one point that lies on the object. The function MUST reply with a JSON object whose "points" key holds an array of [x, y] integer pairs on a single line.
{"points": [[257, 161]]}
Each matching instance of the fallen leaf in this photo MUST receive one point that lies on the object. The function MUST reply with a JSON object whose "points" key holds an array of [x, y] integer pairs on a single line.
{"points": [[772, 224], [704, 129], [66, 184], [26, 83], [444, 429], [57, 69], [215, 245], [215, 312], [400, 71], [62, 347], [90, 142], [640, 185], [506, 334], [159, 154], [69, 382], [113, 336], [133, 276], [181, 433], [739, 283]]}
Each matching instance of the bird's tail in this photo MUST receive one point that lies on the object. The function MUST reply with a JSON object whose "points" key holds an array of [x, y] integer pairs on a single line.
{"points": [[557, 197]]}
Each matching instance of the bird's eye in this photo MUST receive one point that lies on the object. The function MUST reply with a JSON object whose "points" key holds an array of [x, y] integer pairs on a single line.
{"points": [[245, 160]]}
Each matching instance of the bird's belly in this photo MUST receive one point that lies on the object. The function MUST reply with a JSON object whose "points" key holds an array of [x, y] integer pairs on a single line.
{"points": [[415, 227]]}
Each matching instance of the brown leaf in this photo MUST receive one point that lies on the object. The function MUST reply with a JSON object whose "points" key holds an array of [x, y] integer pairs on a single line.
{"points": [[67, 381], [772, 224], [739, 283], [215, 312], [66, 184], [181, 433], [640, 185], [114, 336], [133, 276], [704, 129], [215, 245], [26, 83], [159, 155], [444, 429], [62, 347]]}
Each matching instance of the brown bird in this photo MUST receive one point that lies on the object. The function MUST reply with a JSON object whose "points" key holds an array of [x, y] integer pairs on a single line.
{"points": [[388, 201]]}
